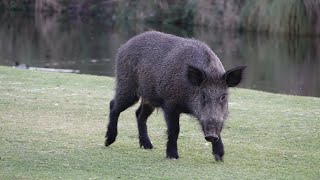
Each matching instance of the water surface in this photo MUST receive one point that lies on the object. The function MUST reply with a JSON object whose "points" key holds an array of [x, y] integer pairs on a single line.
{"points": [[276, 63]]}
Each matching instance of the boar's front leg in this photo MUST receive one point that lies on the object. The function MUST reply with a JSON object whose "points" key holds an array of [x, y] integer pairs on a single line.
{"points": [[218, 149], [172, 120]]}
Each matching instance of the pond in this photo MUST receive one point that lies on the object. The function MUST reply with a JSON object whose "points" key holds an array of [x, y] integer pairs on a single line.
{"points": [[276, 63]]}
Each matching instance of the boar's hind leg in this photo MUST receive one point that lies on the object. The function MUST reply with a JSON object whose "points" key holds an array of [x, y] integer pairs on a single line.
{"points": [[117, 105], [218, 149], [172, 120], [142, 114]]}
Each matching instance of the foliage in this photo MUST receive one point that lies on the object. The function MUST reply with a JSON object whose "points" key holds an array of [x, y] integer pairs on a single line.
{"points": [[285, 16], [219, 13], [52, 127], [17, 5], [157, 12], [178, 12]]}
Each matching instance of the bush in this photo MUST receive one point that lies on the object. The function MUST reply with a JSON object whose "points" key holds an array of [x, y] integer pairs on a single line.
{"points": [[178, 12], [285, 16], [17, 5]]}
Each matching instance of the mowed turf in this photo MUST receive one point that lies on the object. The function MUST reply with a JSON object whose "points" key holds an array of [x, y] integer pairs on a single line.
{"points": [[52, 126]]}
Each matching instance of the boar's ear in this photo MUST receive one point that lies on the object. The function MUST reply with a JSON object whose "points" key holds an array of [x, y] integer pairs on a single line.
{"points": [[234, 76], [196, 76]]}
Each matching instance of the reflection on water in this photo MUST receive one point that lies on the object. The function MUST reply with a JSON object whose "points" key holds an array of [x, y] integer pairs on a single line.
{"points": [[275, 63]]}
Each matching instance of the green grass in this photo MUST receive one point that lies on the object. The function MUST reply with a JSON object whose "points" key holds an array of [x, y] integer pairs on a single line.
{"points": [[52, 127]]}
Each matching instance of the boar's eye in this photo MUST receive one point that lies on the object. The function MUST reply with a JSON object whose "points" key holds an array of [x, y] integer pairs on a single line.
{"points": [[223, 98]]}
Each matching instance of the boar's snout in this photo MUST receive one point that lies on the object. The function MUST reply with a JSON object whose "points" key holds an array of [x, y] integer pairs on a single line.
{"points": [[211, 129], [212, 138]]}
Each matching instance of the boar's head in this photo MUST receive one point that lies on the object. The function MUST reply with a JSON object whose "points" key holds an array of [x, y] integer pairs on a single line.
{"points": [[210, 100]]}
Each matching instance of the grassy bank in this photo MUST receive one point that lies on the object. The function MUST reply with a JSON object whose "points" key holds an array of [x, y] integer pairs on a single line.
{"points": [[52, 126]]}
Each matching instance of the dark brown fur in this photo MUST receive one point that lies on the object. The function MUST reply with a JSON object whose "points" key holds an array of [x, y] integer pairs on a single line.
{"points": [[178, 75]]}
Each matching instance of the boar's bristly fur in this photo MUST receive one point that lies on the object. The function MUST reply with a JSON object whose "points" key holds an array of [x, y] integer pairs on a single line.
{"points": [[179, 75]]}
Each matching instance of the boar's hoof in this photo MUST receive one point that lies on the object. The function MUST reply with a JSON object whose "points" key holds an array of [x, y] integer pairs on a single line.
{"points": [[218, 157], [109, 140], [146, 145], [172, 155]]}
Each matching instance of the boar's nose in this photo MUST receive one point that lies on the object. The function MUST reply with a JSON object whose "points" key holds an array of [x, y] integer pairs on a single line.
{"points": [[212, 138]]}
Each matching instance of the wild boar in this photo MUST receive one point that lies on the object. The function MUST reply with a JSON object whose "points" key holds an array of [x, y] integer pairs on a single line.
{"points": [[178, 75]]}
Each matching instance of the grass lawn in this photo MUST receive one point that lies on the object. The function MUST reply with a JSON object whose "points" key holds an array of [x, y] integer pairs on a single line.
{"points": [[52, 126]]}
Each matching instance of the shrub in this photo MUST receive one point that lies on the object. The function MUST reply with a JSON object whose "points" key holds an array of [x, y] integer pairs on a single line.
{"points": [[284, 16]]}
